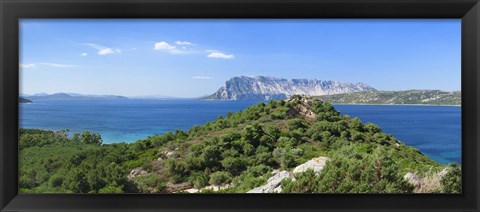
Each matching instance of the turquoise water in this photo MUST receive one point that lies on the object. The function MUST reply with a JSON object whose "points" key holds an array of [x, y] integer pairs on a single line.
{"points": [[432, 129]]}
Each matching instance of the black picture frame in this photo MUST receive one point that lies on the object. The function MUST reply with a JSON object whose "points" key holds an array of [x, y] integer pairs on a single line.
{"points": [[13, 10]]}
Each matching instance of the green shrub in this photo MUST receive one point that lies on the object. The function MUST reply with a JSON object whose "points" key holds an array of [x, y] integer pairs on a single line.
{"points": [[220, 178], [452, 181]]}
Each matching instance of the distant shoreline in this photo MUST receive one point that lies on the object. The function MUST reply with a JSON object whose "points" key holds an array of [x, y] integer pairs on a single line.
{"points": [[230, 100], [345, 103], [395, 104]]}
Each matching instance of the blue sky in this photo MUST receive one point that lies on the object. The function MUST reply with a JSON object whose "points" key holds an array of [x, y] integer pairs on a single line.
{"points": [[191, 58]]}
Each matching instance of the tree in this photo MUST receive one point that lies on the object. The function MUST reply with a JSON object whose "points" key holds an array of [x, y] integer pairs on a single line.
{"points": [[452, 181], [177, 170], [91, 138], [234, 165], [220, 178]]}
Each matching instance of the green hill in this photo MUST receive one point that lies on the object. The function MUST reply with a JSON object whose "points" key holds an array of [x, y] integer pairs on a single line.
{"points": [[427, 97], [235, 154]]}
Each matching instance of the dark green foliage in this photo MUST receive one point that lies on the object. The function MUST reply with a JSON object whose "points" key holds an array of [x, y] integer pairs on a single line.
{"points": [[198, 180], [452, 181], [234, 165], [359, 173], [151, 183], [220, 178], [177, 169], [52, 162], [87, 138]]}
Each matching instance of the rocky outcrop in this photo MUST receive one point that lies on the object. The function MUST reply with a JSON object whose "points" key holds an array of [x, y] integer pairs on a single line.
{"points": [[266, 88], [426, 184], [316, 164], [303, 106], [136, 172], [210, 187], [273, 183], [413, 179]]}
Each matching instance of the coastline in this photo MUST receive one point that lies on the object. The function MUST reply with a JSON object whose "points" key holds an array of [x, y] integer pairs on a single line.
{"points": [[395, 104]]}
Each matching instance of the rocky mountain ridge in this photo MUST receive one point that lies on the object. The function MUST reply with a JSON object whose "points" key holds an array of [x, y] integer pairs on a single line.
{"points": [[267, 88]]}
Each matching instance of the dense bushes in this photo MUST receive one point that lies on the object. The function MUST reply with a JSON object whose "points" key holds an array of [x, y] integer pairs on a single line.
{"points": [[352, 172], [452, 181]]}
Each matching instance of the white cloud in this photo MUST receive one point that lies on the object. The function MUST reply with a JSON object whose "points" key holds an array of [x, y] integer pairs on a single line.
{"points": [[57, 65], [27, 65], [183, 43], [171, 49], [163, 46], [103, 50], [83, 54], [220, 55], [202, 77]]}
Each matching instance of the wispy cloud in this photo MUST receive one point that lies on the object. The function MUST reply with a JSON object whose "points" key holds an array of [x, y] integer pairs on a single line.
{"points": [[220, 55], [171, 49], [53, 65], [183, 43], [83, 54], [25, 66], [202, 77], [57, 65], [184, 47], [103, 50]]}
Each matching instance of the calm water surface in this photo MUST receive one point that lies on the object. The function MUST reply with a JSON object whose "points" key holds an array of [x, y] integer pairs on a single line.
{"points": [[434, 130]]}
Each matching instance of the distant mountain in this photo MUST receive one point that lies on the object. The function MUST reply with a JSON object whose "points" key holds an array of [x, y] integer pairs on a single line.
{"points": [[431, 97], [70, 96], [266, 88], [23, 100]]}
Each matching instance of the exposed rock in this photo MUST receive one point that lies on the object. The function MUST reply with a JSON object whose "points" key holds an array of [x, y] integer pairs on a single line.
{"points": [[413, 179], [303, 106], [316, 164], [169, 153], [443, 172], [136, 172], [266, 88], [192, 190], [211, 187], [273, 183]]}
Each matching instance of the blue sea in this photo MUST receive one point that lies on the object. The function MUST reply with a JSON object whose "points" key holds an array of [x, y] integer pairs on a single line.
{"points": [[434, 130]]}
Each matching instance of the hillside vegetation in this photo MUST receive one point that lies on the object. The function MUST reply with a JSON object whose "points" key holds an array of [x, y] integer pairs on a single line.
{"points": [[427, 97], [235, 154]]}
